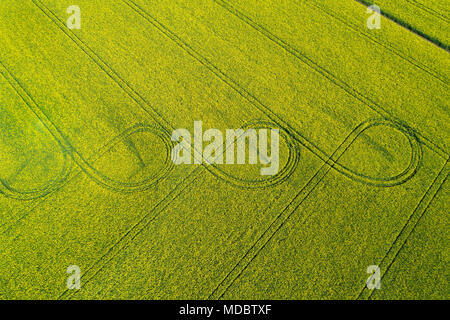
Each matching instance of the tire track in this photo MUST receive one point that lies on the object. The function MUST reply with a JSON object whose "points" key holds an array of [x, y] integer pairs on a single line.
{"points": [[409, 226], [385, 44], [70, 151], [133, 94], [57, 135], [260, 106], [319, 69], [223, 77], [429, 10], [127, 238], [325, 165], [133, 232], [284, 216], [408, 26], [142, 223]]}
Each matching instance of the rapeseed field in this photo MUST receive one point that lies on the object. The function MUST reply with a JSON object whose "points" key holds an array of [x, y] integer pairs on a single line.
{"points": [[95, 204]]}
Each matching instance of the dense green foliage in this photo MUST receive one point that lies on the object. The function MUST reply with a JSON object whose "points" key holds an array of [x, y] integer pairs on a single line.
{"points": [[86, 177]]}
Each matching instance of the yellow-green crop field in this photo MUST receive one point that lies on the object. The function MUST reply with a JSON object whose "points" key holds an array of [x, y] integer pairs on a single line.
{"points": [[87, 176]]}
